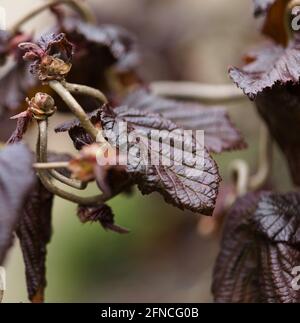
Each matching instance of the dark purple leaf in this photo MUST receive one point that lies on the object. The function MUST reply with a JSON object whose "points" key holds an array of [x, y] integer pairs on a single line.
{"points": [[115, 44], [273, 64], [280, 108], [103, 214], [16, 180], [259, 250], [34, 232], [272, 82], [184, 186], [220, 133], [195, 192]]}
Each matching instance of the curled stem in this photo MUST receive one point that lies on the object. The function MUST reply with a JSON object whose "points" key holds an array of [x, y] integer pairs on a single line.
{"points": [[86, 90], [75, 107], [45, 178], [264, 169], [60, 177], [68, 181], [196, 91], [239, 170], [84, 12]]}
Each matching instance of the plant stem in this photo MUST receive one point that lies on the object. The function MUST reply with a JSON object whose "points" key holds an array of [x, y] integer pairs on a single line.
{"points": [[84, 12], [240, 173], [86, 90], [68, 181], [258, 180], [197, 91], [46, 179], [75, 107]]}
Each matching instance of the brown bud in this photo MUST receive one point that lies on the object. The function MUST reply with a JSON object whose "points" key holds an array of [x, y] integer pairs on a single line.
{"points": [[41, 106]]}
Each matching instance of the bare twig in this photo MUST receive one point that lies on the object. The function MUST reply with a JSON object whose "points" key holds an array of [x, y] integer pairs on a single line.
{"points": [[86, 90], [84, 12], [197, 91], [75, 107]]}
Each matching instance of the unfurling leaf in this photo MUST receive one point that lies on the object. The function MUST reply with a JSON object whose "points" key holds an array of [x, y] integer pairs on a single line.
{"points": [[272, 81], [34, 232], [16, 179], [51, 56], [260, 248], [219, 132], [103, 214]]}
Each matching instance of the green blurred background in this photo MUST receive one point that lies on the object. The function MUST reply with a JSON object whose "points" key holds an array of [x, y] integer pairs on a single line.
{"points": [[163, 258]]}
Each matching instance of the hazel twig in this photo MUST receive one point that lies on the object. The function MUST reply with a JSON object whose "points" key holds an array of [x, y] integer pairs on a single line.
{"points": [[86, 90], [197, 91], [46, 179], [75, 107]]}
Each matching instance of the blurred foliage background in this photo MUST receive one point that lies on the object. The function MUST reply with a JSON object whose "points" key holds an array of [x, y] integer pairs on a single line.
{"points": [[163, 259]]}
